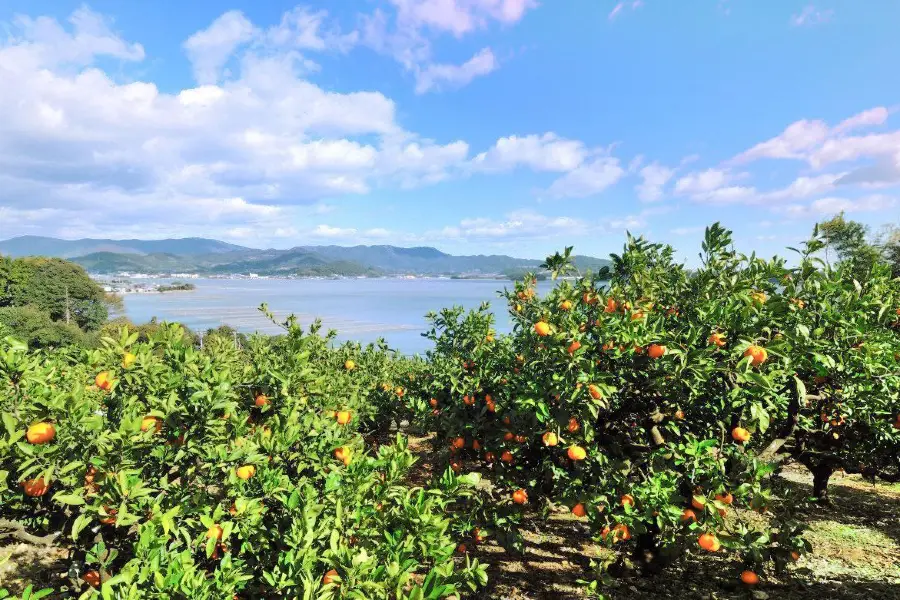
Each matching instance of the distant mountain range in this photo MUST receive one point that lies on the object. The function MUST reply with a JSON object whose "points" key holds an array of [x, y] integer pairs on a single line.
{"points": [[208, 257]]}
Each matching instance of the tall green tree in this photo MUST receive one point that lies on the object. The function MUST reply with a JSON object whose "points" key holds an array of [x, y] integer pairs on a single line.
{"points": [[849, 241], [58, 287]]}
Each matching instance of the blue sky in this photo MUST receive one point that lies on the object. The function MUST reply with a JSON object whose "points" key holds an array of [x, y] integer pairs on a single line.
{"points": [[476, 126]]}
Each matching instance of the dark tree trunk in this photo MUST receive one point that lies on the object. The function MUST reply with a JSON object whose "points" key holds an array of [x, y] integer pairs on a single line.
{"points": [[647, 553], [821, 475]]}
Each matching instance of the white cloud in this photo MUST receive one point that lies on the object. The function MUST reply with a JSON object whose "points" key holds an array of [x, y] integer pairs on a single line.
{"points": [[810, 15], [702, 182], [441, 76], [518, 224], [210, 48], [816, 142], [590, 178], [405, 37], [458, 16], [78, 140], [655, 176], [834, 205], [620, 6], [547, 152], [326, 231]]}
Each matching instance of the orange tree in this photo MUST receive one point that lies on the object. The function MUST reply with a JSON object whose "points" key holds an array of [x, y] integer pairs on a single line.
{"points": [[843, 331], [168, 471], [643, 403]]}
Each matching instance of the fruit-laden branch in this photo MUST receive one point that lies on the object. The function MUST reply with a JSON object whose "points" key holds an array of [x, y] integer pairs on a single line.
{"points": [[16, 530]]}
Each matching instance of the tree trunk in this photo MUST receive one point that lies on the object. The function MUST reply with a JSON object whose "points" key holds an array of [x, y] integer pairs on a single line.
{"points": [[821, 475]]}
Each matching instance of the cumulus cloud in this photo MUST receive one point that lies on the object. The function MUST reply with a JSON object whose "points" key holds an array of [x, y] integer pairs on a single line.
{"points": [[227, 151], [547, 152], [590, 178], [406, 36], [654, 177], [209, 49]]}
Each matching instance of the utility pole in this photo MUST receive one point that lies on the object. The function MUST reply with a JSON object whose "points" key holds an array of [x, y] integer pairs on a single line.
{"points": [[67, 305]]}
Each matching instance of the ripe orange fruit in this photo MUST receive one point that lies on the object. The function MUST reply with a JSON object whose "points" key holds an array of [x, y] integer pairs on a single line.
{"points": [[468, 400], [795, 555], [245, 472], [717, 339], [343, 417], [589, 298], [573, 425], [490, 456], [214, 532], [461, 548], [506, 420], [40, 433], [578, 510], [520, 496], [758, 355], [433, 402], [549, 439], [150, 422], [619, 532], [456, 467], [330, 577], [521, 439], [576, 453], [637, 315], [574, 346], [507, 456], [128, 360], [349, 364], [103, 380], [477, 536], [490, 405], [344, 454], [611, 306], [679, 415], [459, 443], [110, 519], [759, 298], [749, 578], [656, 351], [92, 578], [688, 515], [727, 498], [476, 445], [509, 436], [399, 391], [542, 328], [739, 434], [709, 542], [698, 503], [261, 400], [626, 499], [35, 488], [565, 305], [595, 392]]}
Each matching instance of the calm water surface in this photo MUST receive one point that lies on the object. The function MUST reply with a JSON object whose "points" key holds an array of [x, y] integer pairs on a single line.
{"points": [[360, 309]]}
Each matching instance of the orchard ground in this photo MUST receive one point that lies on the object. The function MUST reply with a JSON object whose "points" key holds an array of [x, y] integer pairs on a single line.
{"points": [[856, 554]]}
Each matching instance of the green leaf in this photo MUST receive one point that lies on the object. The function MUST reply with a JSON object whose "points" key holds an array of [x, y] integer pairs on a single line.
{"points": [[70, 499]]}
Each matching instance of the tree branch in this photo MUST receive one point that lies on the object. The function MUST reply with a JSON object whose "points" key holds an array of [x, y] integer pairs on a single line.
{"points": [[17, 531]]}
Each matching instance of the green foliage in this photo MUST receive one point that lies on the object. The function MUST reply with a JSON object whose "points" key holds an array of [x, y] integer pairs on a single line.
{"points": [[34, 326], [141, 504]]}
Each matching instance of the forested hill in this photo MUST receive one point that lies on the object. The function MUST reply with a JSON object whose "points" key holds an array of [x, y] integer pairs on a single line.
{"points": [[206, 256]]}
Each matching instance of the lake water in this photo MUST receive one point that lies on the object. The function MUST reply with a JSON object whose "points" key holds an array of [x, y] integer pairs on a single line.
{"points": [[360, 309]]}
